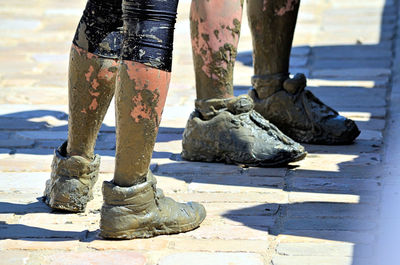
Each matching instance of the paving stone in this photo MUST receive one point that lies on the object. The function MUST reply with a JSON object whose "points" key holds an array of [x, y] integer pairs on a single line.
{"points": [[245, 209], [329, 223], [45, 150], [336, 163], [51, 144], [377, 82], [158, 243], [341, 210], [264, 223], [370, 135], [351, 171], [13, 143], [219, 245], [363, 113], [284, 260], [350, 63], [244, 197], [330, 185], [300, 197], [338, 97], [353, 73], [26, 111], [320, 236], [33, 205], [166, 167], [19, 124], [372, 124], [338, 249], [37, 245], [16, 231], [360, 146], [296, 60], [270, 172], [25, 163], [97, 258], [366, 4], [210, 187], [200, 258], [22, 181], [14, 257], [43, 135], [240, 180], [227, 232], [347, 52]]}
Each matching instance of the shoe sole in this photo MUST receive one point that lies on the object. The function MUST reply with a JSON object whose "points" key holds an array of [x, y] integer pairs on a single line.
{"points": [[145, 233], [226, 160]]}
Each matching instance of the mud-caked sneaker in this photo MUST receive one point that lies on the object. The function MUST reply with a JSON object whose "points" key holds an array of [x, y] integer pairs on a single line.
{"points": [[298, 113], [142, 211], [71, 182], [230, 131]]}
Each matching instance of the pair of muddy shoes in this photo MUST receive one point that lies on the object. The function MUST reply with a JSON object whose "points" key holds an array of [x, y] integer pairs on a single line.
{"points": [[233, 131], [139, 211]]}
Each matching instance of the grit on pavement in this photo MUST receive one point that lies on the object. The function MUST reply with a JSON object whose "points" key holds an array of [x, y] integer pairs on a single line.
{"points": [[338, 206]]}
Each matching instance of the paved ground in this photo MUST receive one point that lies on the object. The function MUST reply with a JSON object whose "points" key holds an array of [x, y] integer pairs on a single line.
{"points": [[338, 206]]}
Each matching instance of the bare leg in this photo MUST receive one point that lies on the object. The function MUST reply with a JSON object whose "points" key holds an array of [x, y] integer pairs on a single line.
{"points": [[133, 207], [91, 88], [272, 25], [283, 100], [140, 98], [225, 128], [92, 74], [215, 30]]}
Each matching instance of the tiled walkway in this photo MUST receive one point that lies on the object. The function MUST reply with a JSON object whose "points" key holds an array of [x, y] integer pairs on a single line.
{"points": [[334, 207]]}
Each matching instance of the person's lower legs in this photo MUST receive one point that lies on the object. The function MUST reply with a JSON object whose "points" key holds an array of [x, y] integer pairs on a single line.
{"points": [[133, 207], [92, 72], [140, 97], [279, 98], [272, 24], [224, 128], [215, 30]]}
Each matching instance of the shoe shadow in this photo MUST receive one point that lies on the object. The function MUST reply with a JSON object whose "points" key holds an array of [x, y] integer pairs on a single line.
{"points": [[10, 230]]}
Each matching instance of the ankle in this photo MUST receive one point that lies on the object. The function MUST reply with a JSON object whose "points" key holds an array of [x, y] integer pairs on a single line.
{"points": [[70, 151], [209, 108], [267, 85]]}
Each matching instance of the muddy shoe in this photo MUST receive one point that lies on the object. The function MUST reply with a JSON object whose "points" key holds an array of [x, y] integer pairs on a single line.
{"points": [[298, 113], [72, 179], [230, 131], [143, 211]]}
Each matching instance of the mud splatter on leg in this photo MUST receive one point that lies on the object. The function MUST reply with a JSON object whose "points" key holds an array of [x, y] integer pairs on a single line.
{"points": [[272, 23], [140, 98], [91, 88], [215, 30]]}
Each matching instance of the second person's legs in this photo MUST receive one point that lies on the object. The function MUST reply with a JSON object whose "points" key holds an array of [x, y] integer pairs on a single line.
{"points": [[91, 83], [283, 100], [133, 207], [223, 127]]}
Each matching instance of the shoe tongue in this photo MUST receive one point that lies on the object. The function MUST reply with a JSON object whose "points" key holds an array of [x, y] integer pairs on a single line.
{"points": [[209, 108]]}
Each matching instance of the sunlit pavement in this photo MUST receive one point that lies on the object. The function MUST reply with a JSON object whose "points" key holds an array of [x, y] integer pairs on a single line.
{"points": [[338, 206]]}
